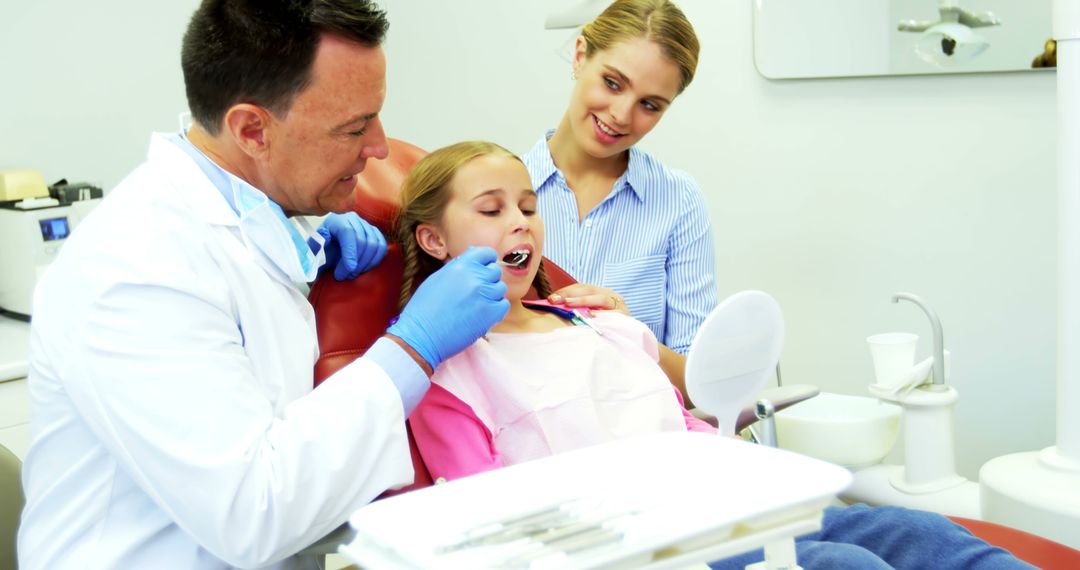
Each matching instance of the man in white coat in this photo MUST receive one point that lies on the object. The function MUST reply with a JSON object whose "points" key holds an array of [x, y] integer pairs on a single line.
{"points": [[172, 348]]}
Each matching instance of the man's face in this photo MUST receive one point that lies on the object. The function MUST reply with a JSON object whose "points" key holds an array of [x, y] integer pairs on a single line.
{"points": [[316, 150]]}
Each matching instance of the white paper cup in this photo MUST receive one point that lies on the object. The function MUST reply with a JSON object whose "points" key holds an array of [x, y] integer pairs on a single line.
{"points": [[893, 354]]}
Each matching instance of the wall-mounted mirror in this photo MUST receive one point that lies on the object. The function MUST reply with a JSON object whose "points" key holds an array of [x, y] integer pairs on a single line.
{"points": [[840, 38]]}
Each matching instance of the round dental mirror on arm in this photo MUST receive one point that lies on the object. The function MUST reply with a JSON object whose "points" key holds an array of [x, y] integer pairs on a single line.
{"points": [[733, 354]]}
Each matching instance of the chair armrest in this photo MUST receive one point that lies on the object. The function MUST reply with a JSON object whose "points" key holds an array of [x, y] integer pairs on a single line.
{"points": [[781, 397]]}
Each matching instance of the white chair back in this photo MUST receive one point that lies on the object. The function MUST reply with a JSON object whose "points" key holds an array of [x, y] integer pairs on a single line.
{"points": [[733, 354]]}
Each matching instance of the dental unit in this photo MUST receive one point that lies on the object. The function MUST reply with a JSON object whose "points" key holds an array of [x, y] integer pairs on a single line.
{"points": [[928, 479]]}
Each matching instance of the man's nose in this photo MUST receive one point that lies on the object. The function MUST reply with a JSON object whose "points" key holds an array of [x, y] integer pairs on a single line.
{"points": [[375, 145]]}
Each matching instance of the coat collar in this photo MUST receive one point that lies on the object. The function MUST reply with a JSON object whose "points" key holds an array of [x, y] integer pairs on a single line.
{"points": [[189, 181]]}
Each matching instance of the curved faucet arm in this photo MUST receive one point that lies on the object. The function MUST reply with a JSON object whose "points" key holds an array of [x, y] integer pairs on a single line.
{"points": [[939, 341]]}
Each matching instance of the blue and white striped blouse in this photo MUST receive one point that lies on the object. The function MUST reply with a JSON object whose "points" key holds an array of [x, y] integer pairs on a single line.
{"points": [[650, 240]]}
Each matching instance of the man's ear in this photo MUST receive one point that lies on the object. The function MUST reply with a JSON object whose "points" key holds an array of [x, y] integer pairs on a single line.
{"points": [[249, 125], [430, 239]]}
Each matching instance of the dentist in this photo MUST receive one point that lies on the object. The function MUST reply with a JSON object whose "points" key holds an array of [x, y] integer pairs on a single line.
{"points": [[174, 421]]}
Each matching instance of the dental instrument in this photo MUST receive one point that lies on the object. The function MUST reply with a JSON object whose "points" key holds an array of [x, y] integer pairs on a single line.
{"points": [[577, 315], [517, 260]]}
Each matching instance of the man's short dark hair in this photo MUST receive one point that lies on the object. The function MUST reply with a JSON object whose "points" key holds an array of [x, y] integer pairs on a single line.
{"points": [[261, 51]]}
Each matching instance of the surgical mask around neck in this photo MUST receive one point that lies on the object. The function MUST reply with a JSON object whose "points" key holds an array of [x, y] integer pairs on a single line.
{"points": [[264, 226]]}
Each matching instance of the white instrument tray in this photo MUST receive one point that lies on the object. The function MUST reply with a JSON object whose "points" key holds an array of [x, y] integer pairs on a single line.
{"points": [[670, 499]]}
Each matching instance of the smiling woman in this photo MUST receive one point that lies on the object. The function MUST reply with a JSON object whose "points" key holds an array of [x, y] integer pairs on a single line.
{"points": [[617, 216]]}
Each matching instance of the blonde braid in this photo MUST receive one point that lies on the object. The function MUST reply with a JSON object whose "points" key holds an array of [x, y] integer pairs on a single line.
{"points": [[412, 267]]}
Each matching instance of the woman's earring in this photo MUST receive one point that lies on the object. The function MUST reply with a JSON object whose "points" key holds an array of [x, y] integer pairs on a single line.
{"points": [[573, 74]]}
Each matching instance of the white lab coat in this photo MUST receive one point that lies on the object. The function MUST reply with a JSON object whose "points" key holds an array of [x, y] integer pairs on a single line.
{"points": [[173, 417]]}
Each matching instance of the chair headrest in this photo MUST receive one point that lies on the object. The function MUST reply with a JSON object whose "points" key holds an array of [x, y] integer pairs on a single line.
{"points": [[378, 196]]}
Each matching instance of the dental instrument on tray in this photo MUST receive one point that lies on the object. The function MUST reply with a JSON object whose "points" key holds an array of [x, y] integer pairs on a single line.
{"points": [[578, 315], [554, 531]]}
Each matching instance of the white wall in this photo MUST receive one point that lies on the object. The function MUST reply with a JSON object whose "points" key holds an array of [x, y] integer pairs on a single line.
{"points": [[84, 84], [829, 194]]}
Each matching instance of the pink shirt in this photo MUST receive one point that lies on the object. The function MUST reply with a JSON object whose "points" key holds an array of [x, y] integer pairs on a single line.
{"points": [[515, 397]]}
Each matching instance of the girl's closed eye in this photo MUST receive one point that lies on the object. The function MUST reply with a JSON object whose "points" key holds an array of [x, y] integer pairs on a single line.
{"points": [[488, 205], [528, 204]]}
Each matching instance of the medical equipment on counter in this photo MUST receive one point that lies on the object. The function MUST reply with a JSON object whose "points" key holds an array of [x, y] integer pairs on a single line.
{"points": [[35, 221], [663, 500], [17, 185]]}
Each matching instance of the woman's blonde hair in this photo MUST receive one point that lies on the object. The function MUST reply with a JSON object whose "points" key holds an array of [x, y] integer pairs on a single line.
{"points": [[659, 21], [424, 196]]}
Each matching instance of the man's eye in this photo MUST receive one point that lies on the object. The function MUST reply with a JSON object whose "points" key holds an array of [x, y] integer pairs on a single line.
{"points": [[359, 133]]}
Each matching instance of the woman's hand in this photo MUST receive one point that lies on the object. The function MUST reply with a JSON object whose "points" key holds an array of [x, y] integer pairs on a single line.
{"points": [[591, 296]]}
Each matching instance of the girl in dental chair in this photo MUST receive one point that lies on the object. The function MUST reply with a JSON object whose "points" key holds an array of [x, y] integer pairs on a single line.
{"points": [[542, 383]]}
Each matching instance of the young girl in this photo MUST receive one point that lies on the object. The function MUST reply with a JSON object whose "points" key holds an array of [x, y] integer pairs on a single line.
{"points": [[540, 383], [496, 403]]}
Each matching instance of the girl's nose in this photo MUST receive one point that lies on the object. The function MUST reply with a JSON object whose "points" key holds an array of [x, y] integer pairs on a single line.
{"points": [[518, 221]]}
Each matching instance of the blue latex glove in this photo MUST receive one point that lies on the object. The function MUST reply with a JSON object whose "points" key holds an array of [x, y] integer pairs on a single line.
{"points": [[353, 246], [454, 306]]}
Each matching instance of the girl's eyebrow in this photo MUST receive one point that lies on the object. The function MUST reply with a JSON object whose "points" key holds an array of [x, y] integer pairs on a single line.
{"points": [[528, 191], [487, 193]]}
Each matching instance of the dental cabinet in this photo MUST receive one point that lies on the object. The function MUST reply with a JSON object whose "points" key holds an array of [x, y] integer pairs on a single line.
{"points": [[14, 395]]}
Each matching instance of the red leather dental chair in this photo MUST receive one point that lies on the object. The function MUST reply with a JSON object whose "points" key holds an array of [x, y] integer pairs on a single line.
{"points": [[351, 315]]}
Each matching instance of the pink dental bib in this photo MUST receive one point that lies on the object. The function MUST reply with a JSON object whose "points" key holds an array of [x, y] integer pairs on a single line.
{"points": [[545, 393]]}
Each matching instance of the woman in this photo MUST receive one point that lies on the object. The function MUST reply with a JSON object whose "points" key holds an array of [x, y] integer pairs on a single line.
{"points": [[617, 216]]}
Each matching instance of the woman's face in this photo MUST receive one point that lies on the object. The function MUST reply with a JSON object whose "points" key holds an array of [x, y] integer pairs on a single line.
{"points": [[492, 204], [620, 95]]}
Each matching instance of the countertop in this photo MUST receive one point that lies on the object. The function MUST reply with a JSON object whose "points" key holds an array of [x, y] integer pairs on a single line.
{"points": [[14, 345]]}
